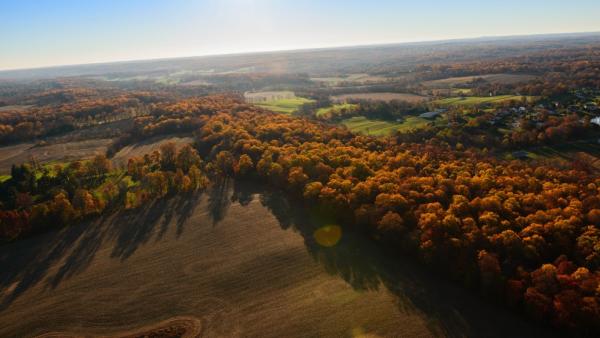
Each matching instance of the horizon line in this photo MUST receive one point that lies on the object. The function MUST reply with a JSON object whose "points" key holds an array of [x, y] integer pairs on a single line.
{"points": [[288, 50]]}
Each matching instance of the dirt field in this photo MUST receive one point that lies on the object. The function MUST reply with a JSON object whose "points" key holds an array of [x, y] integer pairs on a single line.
{"points": [[21, 153], [179, 327], [249, 268], [15, 107], [146, 147], [379, 97]]}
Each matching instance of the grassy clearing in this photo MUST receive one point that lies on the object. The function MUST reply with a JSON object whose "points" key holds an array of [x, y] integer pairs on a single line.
{"points": [[461, 91], [412, 122], [363, 125], [4, 178], [380, 97], [337, 109], [258, 97], [477, 100], [354, 78], [492, 78], [285, 102], [285, 106]]}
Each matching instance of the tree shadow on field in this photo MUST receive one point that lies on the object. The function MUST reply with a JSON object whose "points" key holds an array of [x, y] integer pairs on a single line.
{"points": [[449, 310], [135, 228], [219, 199], [52, 257]]}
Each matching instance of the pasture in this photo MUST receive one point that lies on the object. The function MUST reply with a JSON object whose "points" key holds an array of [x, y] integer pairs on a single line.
{"points": [[285, 102], [412, 98], [285, 106], [260, 97], [336, 110], [481, 100], [492, 78], [363, 125]]}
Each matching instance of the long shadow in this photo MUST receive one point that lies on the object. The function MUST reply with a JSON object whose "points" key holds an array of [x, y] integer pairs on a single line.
{"points": [[28, 262], [25, 264], [450, 310], [219, 199]]}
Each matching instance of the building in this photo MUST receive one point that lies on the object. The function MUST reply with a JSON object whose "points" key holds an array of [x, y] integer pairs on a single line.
{"points": [[520, 155], [430, 115]]}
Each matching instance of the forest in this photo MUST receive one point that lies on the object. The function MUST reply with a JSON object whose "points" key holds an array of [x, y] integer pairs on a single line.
{"points": [[524, 234]]}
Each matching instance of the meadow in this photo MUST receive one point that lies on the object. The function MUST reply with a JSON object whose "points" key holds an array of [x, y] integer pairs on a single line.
{"points": [[492, 78], [380, 97], [337, 109], [285, 102], [285, 106], [363, 125], [480, 100]]}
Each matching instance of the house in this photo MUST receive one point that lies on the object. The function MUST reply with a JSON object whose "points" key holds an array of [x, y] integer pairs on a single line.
{"points": [[591, 106], [520, 155], [596, 120], [430, 115]]}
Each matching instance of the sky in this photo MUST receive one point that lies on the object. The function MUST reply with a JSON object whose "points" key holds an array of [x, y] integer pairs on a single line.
{"points": [[40, 33]]}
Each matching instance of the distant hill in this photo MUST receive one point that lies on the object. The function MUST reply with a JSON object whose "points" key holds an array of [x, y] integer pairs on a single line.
{"points": [[399, 57]]}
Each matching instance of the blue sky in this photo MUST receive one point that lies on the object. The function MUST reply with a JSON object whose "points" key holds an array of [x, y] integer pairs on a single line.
{"points": [[36, 33]]}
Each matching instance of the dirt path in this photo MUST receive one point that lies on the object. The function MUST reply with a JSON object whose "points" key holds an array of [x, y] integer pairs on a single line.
{"points": [[249, 268]]}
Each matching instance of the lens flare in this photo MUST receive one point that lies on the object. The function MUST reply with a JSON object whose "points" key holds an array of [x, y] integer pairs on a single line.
{"points": [[328, 236]]}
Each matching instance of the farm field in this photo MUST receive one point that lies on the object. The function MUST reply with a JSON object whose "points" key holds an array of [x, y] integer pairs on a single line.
{"points": [[363, 125], [336, 109], [228, 269], [61, 152], [352, 78], [380, 97], [285, 106], [492, 78], [583, 150], [257, 97], [147, 147], [15, 107], [476, 100], [285, 102]]}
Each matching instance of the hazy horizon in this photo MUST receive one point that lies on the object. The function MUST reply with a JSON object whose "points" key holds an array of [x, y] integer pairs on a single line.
{"points": [[59, 33], [253, 52]]}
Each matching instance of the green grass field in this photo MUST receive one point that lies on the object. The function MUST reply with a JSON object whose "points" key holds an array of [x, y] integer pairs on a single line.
{"points": [[363, 125], [335, 109], [285, 106], [476, 100]]}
